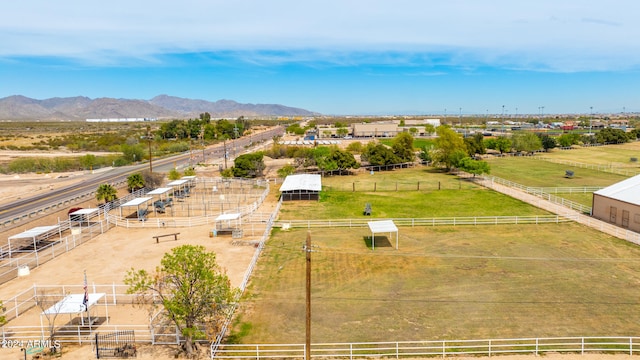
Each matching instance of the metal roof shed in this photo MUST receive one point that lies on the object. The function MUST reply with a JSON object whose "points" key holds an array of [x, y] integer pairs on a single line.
{"points": [[382, 226], [84, 215], [226, 221], [36, 235], [301, 187], [137, 202]]}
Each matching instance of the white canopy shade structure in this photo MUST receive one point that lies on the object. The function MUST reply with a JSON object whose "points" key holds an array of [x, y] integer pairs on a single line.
{"points": [[180, 182], [382, 226], [136, 202], [160, 191], [301, 186], [83, 215], [191, 179], [227, 219], [183, 188], [163, 198], [74, 304], [36, 234]]}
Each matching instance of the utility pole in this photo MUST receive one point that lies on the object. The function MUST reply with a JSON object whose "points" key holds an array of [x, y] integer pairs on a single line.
{"points": [[150, 156], [225, 152], [307, 248]]}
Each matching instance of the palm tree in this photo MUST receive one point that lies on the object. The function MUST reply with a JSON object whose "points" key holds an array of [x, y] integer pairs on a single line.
{"points": [[106, 192], [135, 182]]}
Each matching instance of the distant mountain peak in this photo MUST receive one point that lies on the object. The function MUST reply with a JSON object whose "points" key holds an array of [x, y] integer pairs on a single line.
{"points": [[18, 107]]}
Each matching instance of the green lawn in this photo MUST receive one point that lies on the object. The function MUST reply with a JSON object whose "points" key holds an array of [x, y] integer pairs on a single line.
{"points": [[444, 283], [456, 197], [528, 171]]}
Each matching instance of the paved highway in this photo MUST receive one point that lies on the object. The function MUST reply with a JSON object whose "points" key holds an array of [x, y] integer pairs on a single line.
{"points": [[90, 182]]}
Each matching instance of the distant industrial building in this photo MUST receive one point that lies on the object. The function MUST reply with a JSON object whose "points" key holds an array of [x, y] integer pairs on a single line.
{"points": [[122, 120], [619, 204], [375, 129]]}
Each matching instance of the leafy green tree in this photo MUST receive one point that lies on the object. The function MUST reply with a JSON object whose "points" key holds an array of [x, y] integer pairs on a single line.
{"points": [[377, 154], [192, 288], [106, 192], [88, 161], [548, 142], [355, 147], [568, 139], [286, 170], [475, 167], [342, 131], [343, 160], [189, 171], [429, 129], [475, 144], [525, 141], [446, 145], [174, 174], [503, 144], [456, 158], [249, 165], [611, 136], [133, 153], [425, 154], [135, 182], [402, 147]]}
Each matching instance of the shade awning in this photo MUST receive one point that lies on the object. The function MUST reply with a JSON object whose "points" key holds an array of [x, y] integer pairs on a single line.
{"points": [[382, 226], [232, 216], [177, 182], [159, 191], [136, 202], [35, 232], [73, 304]]}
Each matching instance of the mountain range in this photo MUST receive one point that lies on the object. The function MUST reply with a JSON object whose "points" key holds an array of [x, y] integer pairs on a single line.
{"points": [[18, 107]]}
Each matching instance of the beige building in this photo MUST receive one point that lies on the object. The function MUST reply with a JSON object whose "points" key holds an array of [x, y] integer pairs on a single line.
{"points": [[375, 129], [619, 204]]}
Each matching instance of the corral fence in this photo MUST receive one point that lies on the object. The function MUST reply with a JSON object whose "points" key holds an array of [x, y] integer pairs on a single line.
{"points": [[51, 208], [619, 169], [544, 192], [245, 281], [12, 260], [208, 199], [444, 221], [115, 295], [441, 348]]}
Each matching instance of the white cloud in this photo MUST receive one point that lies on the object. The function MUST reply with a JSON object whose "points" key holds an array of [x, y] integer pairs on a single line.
{"points": [[568, 35]]}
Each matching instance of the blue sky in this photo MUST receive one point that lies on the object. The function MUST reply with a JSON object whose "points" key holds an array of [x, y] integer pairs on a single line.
{"points": [[335, 57]]}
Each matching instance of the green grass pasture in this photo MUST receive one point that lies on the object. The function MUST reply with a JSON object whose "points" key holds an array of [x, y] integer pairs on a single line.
{"points": [[444, 283], [528, 171], [456, 197], [614, 155]]}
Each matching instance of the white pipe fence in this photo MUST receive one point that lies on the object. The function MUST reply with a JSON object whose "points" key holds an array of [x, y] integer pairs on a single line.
{"points": [[445, 221], [543, 193], [443, 348]]}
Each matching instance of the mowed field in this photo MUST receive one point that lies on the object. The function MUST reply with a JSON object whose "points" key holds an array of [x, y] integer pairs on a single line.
{"points": [[462, 282], [444, 283]]}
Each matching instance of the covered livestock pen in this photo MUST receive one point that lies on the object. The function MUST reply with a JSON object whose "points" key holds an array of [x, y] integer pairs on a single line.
{"points": [[301, 187]]}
